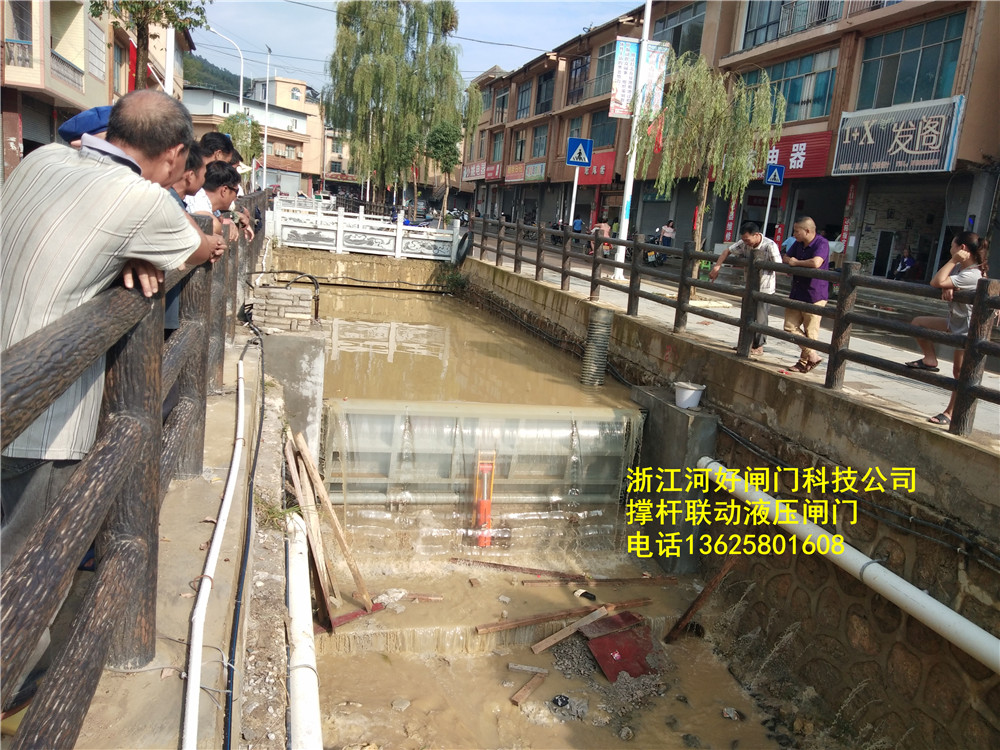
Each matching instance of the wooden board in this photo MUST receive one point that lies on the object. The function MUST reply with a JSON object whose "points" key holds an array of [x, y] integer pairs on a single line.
{"points": [[612, 624], [563, 614], [625, 651], [657, 581], [529, 687], [350, 616], [513, 568], [567, 631]]}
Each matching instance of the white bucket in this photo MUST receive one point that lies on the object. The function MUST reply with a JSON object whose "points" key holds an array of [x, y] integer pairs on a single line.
{"points": [[687, 395]]}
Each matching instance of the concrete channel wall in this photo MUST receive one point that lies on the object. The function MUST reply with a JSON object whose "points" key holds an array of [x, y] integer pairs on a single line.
{"points": [[797, 628]]}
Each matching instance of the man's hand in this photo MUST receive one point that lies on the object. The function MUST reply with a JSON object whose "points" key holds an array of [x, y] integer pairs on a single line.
{"points": [[218, 246], [713, 274], [149, 276], [948, 294]]}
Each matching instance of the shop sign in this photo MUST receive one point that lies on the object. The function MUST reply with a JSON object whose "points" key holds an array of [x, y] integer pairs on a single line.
{"points": [[801, 155], [534, 172], [852, 191], [515, 173], [494, 171], [474, 171], [918, 137], [730, 222], [601, 170]]}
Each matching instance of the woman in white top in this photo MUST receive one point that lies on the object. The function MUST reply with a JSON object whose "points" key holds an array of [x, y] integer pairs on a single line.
{"points": [[667, 234], [963, 271]]}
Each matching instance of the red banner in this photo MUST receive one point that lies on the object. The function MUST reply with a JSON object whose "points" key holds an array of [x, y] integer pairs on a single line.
{"points": [[494, 171], [802, 155], [601, 170]]}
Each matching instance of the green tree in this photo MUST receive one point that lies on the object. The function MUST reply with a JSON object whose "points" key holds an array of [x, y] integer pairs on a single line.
{"points": [[442, 148], [712, 126], [139, 15], [246, 135], [473, 111], [393, 76]]}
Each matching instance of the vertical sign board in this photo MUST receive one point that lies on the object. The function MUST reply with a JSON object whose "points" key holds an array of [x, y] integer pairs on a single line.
{"points": [[623, 77], [654, 71]]}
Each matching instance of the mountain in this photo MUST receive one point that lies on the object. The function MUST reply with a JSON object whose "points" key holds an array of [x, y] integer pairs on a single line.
{"points": [[200, 72]]}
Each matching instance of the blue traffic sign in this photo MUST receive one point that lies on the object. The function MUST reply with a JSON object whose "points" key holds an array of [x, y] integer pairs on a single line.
{"points": [[579, 152], [775, 175]]}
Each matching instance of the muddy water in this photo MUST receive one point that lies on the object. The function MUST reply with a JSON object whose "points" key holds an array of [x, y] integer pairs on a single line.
{"points": [[417, 674], [386, 345]]}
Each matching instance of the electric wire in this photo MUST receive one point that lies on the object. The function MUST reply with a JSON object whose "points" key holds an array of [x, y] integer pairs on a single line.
{"points": [[227, 730]]}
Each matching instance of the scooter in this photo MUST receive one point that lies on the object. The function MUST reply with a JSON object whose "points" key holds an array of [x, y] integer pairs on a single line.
{"points": [[649, 257]]}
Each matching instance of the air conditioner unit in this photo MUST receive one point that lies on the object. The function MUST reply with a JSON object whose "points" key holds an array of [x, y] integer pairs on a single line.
{"points": [[291, 127]]}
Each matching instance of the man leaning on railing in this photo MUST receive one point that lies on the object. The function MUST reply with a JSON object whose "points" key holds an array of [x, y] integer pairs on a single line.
{"points": [[72, 221]]}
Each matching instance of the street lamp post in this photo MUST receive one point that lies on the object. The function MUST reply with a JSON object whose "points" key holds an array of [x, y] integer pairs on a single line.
{"points": [[209, 28], [267, 99]]}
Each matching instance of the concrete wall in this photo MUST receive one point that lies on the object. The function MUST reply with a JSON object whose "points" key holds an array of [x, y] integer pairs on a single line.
{"points": [[359, 270], [839, 656]]}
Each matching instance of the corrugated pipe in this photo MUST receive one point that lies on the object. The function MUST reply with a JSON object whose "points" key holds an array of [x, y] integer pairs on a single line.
{"points": [[306, 730], [595, 354], [940, 618]]}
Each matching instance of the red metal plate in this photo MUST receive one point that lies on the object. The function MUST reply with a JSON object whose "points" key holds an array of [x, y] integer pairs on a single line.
{"points": [[625, 651]]}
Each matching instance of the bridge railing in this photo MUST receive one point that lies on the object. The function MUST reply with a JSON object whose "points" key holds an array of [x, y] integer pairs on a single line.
{"points": [[560, 250], [115, 492]]}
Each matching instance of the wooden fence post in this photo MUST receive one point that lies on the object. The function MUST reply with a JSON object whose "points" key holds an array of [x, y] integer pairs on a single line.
{"points": [[518, 237], [840, 340], [500, 228], [133, 386], [565, 261], [538, 253], [684, 287], [233, 257], [595, 266], [192, 383], [974, 362]]}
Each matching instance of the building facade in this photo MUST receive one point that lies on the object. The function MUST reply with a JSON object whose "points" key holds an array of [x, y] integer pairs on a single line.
{"points": [[59, 61], [889, 141]]}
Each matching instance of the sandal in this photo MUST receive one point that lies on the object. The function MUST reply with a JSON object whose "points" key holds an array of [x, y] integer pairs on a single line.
{"points": [[941, 419], [807, 367], [919, 364]]}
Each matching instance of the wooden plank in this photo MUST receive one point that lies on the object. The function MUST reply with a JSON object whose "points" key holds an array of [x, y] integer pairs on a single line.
{"points": [[413, 597], [526, 668], [567, 631], [350, 616], [679, 626], [309, 496], [338, 531], [514, 568], [315, 545], [612, 624], [563, 614], [657, 581], [529, 687]]}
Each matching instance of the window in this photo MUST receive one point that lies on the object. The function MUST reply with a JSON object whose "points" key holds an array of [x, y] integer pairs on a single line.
{"points": [[497, 147], [912, 64], [487, 99], [605, 69], [682, 28], [602, 129], [576, 127], [806, 82], [539, 141], [546, 88], [296, 93], [289, 152], [523, 101], [225, 108], [763, 19], [270, 148], [519, 138], [482, 145], [337, 166], [579, 69], [21, 12], [500, 106], [120, 78], [336, 145]]}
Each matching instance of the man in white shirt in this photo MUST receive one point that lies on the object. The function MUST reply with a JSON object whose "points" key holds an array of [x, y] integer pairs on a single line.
{"points": [[753, 243]]}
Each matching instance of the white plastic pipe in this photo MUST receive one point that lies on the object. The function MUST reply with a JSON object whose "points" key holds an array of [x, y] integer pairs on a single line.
{"points": [[192, 693], [306, 726], [940, 618]]}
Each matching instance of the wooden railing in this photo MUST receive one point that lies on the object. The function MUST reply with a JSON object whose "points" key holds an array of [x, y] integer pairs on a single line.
{"points": [[115, 492], [558, 251]]}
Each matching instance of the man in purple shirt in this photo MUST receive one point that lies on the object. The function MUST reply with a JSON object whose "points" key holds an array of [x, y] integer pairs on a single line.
{"points": [[809, 251]]}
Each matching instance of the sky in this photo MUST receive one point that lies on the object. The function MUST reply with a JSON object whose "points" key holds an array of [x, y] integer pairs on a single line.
{"points": [[300, 33]]}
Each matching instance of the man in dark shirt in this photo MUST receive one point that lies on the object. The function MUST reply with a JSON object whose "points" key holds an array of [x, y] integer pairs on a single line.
{"points": [[810, 250]]}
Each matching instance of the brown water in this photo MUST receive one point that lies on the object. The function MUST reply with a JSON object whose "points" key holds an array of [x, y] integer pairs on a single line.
{"points": [[451, 686]]}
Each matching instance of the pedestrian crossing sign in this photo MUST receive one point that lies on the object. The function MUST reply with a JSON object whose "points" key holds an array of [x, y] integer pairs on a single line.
{"points": [[579, 152], [775, 175]]}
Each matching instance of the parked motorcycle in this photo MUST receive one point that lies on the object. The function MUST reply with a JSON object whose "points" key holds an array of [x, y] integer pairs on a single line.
{"points": [[649, 257]]}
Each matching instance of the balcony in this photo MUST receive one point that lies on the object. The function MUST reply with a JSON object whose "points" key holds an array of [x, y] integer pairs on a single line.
{"points": [[17, 54], [854, 7], [588, 89], [66, 71], [805, 14]]}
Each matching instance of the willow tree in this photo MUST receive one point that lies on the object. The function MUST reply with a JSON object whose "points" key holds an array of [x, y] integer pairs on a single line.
{"points": [[139, 15], [393, 76], [245, 133], [712, 127]]}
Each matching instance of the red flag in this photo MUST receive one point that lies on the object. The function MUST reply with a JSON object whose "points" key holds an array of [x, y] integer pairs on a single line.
{"points": [[658, 125]]}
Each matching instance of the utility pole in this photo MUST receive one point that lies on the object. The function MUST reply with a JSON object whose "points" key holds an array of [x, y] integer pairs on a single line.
{"points": [[267, 99]]}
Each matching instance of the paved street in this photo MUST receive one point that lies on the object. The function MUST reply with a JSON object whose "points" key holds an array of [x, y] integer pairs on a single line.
{"points": [[905, 398]]}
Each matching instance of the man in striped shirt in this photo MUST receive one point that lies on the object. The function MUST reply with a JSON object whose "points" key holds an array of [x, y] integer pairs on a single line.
{"points": [[72, 220]]}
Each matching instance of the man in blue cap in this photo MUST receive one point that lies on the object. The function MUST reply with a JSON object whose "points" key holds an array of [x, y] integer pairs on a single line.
{"points": [[91, 121]]}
